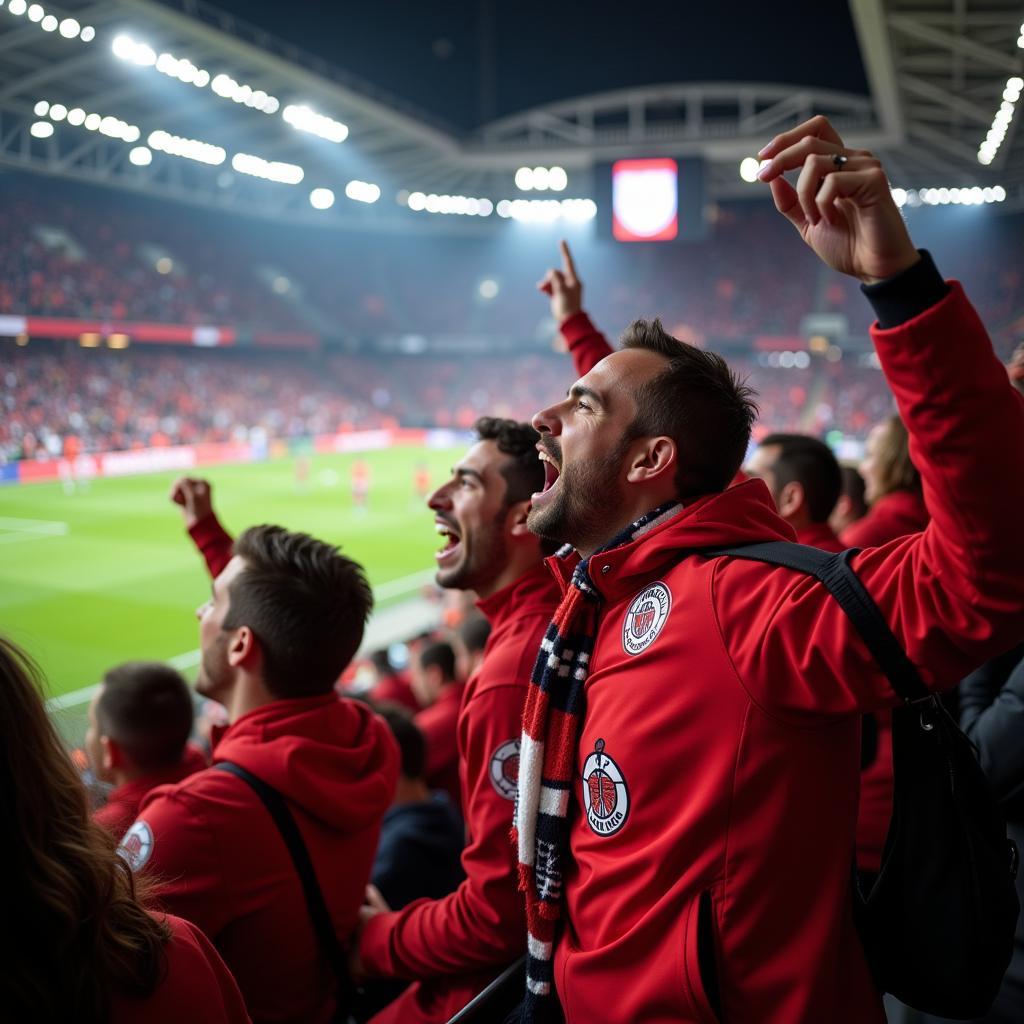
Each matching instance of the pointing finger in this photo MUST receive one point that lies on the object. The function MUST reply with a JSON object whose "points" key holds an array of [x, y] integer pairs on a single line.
{"points": [[568, 266]]}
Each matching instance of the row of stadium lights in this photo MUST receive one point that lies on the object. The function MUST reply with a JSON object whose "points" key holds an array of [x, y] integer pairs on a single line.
{"points": [[534, 211], [69, 28], [299, 116], [540, 179], [1001, 122]]}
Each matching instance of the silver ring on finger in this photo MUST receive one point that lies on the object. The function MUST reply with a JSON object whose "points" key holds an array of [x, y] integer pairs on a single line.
{"points": [[840, 161]]}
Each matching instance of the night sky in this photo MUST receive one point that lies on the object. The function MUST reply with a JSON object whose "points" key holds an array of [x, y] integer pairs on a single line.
{"points": [[427, 53]]}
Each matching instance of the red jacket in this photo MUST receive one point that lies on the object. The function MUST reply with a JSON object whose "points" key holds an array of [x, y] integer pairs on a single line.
{"points": [[457, 944], [122, 806], [440, 724], [728, 781], [197, 987], [891, 516], [225, 867], [214, 543], [819, 535]]}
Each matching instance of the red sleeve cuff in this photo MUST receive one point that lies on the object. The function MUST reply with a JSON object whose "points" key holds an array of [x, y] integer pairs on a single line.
{"points": [[375, 944]]}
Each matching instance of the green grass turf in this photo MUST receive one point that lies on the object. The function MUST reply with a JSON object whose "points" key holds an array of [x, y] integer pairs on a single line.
{"points": [[124, 581]]}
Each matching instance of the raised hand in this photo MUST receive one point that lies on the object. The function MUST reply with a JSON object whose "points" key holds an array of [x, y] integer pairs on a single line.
{"points": [[195, 496], [841, 204], [564, 287]]}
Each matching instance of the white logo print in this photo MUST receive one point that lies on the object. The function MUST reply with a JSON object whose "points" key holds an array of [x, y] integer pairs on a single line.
{"points": [[645, 618], [504, 769], [137, 845], [605, 794]]}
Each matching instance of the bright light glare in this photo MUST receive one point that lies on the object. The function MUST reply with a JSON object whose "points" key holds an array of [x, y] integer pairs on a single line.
{"points": [[17, 6], [49, 23], [540, 179], [307, 120], [362, 191], [321, 199], [69, 28], [58, 112], [749, 166], [488, 288], [35, 13], [76, 116], [42, 108], [271, 170], [524, 179], [41, 130], [466, 206], [140, 156], [190, 149], [88, 34]]}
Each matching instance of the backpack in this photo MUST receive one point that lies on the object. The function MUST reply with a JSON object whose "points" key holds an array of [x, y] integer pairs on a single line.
{"points": [[938, 923]]}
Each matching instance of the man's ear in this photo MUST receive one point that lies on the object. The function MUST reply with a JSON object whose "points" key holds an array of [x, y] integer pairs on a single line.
{"points": [[112, 756], [515, 520], [791, 499], [654, 459], [243, 647]]}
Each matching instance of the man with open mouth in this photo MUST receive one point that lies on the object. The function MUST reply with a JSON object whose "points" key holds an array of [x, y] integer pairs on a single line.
{"points": [[689, 764], [454, 946]]}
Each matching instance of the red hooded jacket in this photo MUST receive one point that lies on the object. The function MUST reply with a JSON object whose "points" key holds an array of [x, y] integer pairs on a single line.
{"points": [[457, 944], [224, 866], [439, 724], [725, 696], [196, 987]]}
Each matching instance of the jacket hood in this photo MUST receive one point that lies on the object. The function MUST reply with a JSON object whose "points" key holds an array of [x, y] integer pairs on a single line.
{"points": [[332, 757], [744, 514]]}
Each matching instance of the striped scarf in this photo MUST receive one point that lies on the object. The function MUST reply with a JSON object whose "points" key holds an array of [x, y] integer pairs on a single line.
{"points": [[551, 723]]}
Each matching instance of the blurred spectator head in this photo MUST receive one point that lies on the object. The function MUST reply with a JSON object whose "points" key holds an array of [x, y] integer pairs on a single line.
{"points": [[381, 663], [432, 668], [139, 721], [411, 744], [886, 466], [83, 934], [851, 505], [286, 616], [481, 511], [802, 474], [470, 641]]}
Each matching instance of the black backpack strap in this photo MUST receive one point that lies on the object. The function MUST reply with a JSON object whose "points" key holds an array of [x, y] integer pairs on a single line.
{"points": [[835, 572], [321, 918]]}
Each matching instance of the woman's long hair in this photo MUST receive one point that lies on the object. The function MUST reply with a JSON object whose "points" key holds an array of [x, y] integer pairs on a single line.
{"points": [[77, 931], [895, 470]]}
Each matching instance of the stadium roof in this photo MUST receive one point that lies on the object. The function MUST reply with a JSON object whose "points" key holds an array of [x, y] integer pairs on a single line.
{"points": [[190, 101]]}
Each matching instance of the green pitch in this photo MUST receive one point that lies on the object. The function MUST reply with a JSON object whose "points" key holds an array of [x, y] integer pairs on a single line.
{"points": [[107, 574]]}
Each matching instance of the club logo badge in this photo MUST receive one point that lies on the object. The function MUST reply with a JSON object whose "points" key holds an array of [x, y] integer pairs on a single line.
{"points": [[137, 845], [645, 618], [504, 769], [605, 794]]}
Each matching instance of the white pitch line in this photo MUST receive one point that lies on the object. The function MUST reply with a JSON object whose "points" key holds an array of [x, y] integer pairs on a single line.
{"points": [[392, 588], [16, 531]]}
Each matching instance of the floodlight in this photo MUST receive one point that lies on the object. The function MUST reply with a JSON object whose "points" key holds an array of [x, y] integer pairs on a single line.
{"points": [[41, 130], [417, 201], [88, 34], [140, 156], [749, 166], [164, 265], [76, 116], [524, 179], [540, 178], [557, 179], [321, 199], [69, 28], [35, 13], [488, 288], [899, 196], [486, 208], [92, 121], [122, 46], [17, 6], [42, 108], [362, 191], [49, 23], [504, 208], [58, 112]]}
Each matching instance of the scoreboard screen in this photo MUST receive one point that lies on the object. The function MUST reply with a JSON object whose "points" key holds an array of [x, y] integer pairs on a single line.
{"points": [[645, 200], [655, 199]]}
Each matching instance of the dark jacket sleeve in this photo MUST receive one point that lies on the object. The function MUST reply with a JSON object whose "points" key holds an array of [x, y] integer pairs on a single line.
{"points": [[992, 715]]}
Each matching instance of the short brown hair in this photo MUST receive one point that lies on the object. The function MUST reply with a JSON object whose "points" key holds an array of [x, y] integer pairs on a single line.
{"points": [[698, 402], [306, 603], [146, 707], [892, 457]]}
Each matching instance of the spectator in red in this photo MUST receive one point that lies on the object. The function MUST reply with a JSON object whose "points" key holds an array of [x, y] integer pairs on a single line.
{"points": [[851, 505], [439, 695], [804, 479], [391, 686], [140, 720], [470, 643], [88, 946], [454, 946], [285, 618], [892, 489], [690, 759]]}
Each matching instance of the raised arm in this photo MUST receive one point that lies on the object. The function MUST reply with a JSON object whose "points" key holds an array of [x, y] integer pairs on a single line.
{"points": [[953, 593], [195, 496], [587, 345]]}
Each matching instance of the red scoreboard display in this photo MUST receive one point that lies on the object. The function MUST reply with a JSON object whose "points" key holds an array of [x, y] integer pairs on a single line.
{"points": [[656, 199]]}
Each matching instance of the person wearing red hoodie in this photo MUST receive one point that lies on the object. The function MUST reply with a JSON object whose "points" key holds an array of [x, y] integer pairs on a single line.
{"points": [[286, 616], [140, 719], [439, 695], [892, 489], [689, 766], [805, 480], [454, 946]]}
